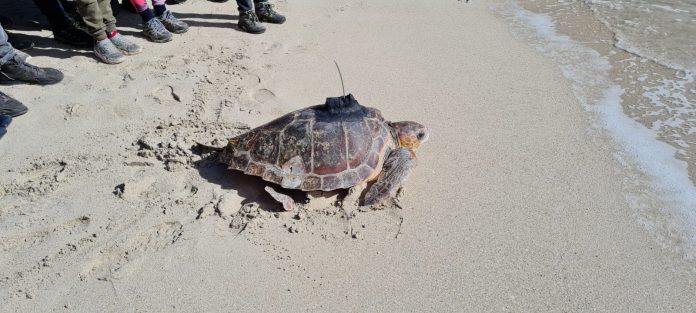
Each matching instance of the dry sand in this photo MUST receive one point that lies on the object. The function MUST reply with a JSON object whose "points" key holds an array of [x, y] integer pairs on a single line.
{"points": [[515, 205]]}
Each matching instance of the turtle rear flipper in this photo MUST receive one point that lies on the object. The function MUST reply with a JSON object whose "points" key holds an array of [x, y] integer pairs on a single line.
{"points": [[396, 169]]}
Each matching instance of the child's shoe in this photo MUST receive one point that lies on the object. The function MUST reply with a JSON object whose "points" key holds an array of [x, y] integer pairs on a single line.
{"points": [[172, 24], [155, 31], [125, 45], [108, 52]]}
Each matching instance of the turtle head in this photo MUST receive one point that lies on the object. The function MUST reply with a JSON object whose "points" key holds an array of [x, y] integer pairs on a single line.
{"points": [[410, 134]]}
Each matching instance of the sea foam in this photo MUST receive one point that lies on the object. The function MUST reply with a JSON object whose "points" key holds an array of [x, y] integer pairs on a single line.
{"points": [[672, 195]]}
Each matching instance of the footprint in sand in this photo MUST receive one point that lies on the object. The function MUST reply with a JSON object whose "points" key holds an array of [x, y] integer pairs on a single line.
{"points": [[37, 237], [153, 239]]}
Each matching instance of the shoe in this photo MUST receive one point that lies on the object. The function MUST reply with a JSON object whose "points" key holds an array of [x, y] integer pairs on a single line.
{"points": [[155, 31], [73, 36], [10, 106], [106, 51], [175, 1], [249, 22], [172, 24], [125, 45], [17, 70], [265, 12]]}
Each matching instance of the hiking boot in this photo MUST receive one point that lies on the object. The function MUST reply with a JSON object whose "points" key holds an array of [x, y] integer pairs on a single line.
{"points": [[17, 70], [10, 106], [155, 31], [265, 12], [172, 23], [106, 51], [249, 22], [72, 36], [126, 46]]}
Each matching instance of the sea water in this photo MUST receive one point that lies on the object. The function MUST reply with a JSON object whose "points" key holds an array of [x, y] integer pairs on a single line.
{"points": [[632, 65]]}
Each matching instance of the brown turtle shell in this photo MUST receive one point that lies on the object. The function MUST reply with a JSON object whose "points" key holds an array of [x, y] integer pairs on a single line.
{"points": [[325, 147]]}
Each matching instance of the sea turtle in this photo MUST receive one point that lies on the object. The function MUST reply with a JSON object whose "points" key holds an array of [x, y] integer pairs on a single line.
{"points": [[326, 147]]}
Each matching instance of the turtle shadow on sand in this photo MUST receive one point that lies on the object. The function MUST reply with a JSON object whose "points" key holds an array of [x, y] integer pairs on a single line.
{"points": [[251, 188]]}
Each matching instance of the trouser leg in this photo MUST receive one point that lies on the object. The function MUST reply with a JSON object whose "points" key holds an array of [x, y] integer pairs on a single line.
{"points": [[92, 16], [245, 5], [6, 51], [108, 15], [53, 11]]}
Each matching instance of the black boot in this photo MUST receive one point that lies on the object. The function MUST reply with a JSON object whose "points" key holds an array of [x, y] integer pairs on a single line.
{"points": [[16, 70], [11, 107], [249, 22], [265, 12]]}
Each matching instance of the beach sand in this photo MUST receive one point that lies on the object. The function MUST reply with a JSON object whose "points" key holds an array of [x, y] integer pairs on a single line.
{"points": [[517, 205]]}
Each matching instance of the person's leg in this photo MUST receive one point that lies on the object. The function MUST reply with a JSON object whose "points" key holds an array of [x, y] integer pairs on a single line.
{"points": [[248, 21], [123, 44], [53, 12], [153, 28], [92, 16], [14, 69], [170, 22], [107, 16], [245, 5], [62, 27], [104, 49], [7, 53]]}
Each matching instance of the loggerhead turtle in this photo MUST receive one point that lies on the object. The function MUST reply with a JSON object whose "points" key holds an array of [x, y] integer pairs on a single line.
{"points": [[326, 147]]}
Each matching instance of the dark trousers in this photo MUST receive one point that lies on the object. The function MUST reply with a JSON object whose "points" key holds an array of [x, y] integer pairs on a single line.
{"points": [[247, 5], [54, 13]]}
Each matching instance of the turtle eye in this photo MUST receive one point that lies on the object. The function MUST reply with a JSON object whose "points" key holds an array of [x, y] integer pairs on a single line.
{"points": [[421, 135]]}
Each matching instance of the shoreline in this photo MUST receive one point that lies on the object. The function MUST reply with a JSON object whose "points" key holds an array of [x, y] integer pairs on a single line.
{"points": [[516, 204]]}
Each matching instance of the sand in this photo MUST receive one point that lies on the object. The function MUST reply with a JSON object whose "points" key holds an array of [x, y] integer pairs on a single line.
{"points": [[516, 204]]}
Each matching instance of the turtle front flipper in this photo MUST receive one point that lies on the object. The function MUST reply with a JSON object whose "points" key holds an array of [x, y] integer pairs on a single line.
{"points": [[396, 169]]}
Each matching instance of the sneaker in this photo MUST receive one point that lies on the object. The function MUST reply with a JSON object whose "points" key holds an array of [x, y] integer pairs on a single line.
{"points": [[17, 70], [125, 45], [265, 12], [73, 36], [106, 51], [249, 22], [11, 107], [155, 31], [172, 23]]}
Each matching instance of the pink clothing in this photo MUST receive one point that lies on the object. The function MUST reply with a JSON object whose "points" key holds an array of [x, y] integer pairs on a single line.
{"points": [[141, 5]]}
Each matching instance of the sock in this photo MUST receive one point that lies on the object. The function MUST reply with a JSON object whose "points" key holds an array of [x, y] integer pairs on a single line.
{"points": [[147, 15], [160, 9]]}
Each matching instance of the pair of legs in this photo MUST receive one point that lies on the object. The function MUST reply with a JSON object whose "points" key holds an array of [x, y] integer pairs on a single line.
{"points": [[159, 25], [63, 27], [14, 69], [253, 12], [110, 46]]}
